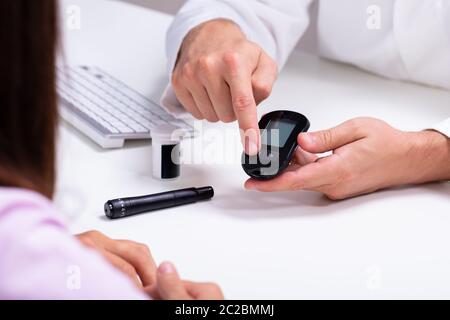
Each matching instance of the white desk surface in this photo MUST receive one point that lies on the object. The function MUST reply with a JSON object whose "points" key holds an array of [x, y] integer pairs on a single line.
{"points": [[391, 244]]}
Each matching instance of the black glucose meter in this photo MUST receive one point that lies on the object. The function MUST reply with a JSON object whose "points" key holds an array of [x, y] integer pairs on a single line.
{"points": [[279, 131]]}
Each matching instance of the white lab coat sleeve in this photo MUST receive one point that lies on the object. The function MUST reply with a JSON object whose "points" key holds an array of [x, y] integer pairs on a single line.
{"points": [[422, 30], [275, 25]]}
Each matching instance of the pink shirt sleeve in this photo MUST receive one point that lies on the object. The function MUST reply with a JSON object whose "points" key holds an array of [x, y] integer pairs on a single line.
{"points": [[39, 259]]}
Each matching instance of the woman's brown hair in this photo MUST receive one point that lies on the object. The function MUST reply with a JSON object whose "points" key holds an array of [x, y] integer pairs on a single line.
{"points": [[28, 112]]}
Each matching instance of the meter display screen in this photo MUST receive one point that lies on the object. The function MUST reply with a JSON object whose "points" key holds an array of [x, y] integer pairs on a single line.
{"points": [[277, 132]]}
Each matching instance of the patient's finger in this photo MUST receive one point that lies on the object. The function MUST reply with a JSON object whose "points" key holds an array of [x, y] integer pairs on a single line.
{"points": [[170, 286], [138, 255], [204, 291], [123, 266]]}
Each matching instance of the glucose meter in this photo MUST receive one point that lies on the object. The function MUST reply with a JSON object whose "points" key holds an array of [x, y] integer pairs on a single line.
{"points": [[279, 131]]}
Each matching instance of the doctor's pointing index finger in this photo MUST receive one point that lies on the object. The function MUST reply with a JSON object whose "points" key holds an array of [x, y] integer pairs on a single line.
{"points": [[221, 76]]}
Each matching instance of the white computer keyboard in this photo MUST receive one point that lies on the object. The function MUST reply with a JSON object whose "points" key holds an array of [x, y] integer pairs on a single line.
{"points": [[107, 110]]}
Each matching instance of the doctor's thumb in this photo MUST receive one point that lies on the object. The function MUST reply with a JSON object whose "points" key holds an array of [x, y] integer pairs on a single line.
{"points": [[326, 140], [170, 286]]}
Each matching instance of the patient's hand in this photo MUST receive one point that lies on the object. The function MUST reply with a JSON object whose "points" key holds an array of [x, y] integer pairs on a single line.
{"points": [[135, 260], [171, 287], [367, 155], [132, 258]]}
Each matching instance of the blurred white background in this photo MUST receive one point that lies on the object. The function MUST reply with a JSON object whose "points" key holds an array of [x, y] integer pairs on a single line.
{"points": [[161, 5]]}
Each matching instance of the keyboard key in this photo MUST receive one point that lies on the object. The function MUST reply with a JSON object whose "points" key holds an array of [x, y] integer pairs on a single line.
{"points": [[124, 129]]}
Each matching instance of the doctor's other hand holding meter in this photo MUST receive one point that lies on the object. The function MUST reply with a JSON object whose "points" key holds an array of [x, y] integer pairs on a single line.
{"points": [[367, 155], [225, 55]]}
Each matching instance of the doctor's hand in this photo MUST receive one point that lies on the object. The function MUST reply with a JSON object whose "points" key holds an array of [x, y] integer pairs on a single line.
{"points": [[171, 287], [367, 155], [220, 75]]}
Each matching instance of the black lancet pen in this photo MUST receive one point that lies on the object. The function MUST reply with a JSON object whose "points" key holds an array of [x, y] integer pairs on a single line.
{"points": [[126, 207]]}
